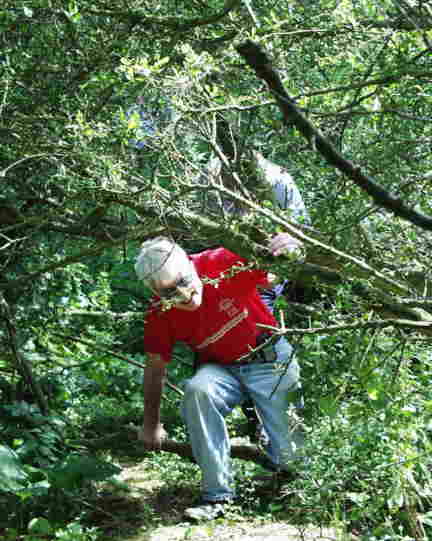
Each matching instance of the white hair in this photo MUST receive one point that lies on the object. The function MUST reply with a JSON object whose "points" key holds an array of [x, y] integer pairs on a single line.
{"points": [[161, 259]]}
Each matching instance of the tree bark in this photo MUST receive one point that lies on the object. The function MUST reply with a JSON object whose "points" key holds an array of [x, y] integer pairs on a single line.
{"points": [[22, 365]]}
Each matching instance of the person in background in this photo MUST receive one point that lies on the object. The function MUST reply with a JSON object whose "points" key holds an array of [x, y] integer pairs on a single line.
{"points": [[148, 122]]}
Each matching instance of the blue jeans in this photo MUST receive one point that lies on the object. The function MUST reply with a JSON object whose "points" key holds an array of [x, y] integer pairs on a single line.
{"points": [[213, 392]]}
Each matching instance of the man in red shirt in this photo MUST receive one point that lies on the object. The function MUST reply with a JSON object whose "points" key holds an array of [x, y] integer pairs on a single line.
{"points": [[210, 301]]}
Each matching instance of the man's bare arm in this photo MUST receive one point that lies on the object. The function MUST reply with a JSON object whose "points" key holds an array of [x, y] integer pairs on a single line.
{"points": [[154, 374]]}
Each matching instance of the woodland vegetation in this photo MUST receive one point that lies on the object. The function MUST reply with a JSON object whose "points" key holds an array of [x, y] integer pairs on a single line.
{"points": [[338, 92]]}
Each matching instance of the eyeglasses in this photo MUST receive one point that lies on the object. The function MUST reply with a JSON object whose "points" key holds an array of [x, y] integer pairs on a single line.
{"points": [[172, 292]]}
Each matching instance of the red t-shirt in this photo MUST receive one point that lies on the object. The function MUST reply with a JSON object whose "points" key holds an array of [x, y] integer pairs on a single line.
{"points": [[224, 326]]}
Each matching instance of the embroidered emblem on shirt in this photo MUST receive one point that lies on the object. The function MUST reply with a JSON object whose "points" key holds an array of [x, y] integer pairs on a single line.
{"points": [[228, 306], [224, 329]]}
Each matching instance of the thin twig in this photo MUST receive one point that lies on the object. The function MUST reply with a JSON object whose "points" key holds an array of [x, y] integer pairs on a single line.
{"points": [[113, 354]]}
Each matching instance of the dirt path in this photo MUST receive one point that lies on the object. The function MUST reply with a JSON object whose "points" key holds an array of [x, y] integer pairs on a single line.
{"points": [[143, 509]]}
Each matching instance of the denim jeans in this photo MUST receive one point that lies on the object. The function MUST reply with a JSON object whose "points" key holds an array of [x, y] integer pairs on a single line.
{"points": [[213, 392]]}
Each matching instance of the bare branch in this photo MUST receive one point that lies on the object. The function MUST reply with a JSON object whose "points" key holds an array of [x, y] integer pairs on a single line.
{"points": [[113, 354], [396, 23], [333, 329], [22, 365], [136, 233], [368, 82], [243, 452]]}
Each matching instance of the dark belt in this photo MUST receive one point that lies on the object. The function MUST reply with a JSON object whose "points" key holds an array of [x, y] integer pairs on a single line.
{"points": [[265, 354]]}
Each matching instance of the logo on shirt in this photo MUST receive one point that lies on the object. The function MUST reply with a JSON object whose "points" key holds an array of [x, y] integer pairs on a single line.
{"points": [[228, 306]]}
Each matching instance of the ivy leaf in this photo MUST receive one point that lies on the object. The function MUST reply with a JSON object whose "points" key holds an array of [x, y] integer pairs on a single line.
{"points": [[12, 475], [329, 406], [77, 470], [40, 525]]}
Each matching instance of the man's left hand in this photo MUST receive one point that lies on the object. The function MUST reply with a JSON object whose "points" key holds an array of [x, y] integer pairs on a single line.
{"points": [[284, 243]]}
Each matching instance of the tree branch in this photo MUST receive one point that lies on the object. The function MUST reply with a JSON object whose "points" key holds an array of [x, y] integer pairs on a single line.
{"points": [[113, 354], [243, 452], [134, 234], [170, 22], [396, 23], [22, 365], [332, 329]]}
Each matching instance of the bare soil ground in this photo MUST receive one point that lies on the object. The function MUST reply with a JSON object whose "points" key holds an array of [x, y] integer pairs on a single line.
{"points": [[143, 509]]}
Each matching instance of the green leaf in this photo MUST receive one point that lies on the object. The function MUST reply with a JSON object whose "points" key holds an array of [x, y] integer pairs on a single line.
{"points": [[358, 497], [40, 525], [77, 470], [396, 499], [12, 475], [329, 406], [425, 518]]}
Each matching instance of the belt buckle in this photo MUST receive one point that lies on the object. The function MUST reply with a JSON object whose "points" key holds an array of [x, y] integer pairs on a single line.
{"points": [[267, 354]]}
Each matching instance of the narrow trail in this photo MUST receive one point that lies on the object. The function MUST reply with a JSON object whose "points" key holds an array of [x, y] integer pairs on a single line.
{"points": [[142, 507]]}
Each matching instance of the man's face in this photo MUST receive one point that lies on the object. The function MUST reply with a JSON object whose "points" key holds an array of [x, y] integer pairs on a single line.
{"points": [[184, 291]]}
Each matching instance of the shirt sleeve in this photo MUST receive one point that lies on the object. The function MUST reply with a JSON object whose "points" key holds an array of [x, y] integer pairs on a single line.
{"points": [[234, 272], [285, 191], [289, 198], [158, 335]]}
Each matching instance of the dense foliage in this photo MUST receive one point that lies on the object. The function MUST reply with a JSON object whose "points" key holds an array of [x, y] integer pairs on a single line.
{"points": [[78, 196]]}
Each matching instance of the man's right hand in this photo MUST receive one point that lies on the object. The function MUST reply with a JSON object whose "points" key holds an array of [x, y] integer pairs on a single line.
{"points": [[152, 437]]}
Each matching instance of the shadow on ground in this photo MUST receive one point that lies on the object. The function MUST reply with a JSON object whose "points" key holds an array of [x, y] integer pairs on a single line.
{"points": [[143, 509], [141, 505]]}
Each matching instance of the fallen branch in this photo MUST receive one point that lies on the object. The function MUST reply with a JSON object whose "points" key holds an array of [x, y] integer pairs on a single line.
{"points": [[243, 452]]}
